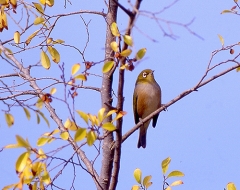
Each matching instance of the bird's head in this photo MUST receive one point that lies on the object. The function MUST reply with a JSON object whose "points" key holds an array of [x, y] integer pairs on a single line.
{"points": [[146, 76]]}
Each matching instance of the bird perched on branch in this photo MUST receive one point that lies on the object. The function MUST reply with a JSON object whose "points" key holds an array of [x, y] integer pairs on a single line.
{"points": [[146, 99]]}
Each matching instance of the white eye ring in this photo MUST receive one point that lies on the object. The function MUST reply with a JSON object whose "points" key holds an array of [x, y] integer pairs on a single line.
{"points": [[144, 75]]}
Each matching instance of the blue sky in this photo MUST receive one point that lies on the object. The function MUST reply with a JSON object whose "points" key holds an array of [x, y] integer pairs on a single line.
{"points": [[200, 132]]}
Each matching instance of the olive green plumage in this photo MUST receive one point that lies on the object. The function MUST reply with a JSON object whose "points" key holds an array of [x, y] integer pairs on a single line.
{"points": [[146, 99]]}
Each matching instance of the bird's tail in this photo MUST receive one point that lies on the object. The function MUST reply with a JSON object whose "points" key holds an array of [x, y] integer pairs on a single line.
{"points": [[142, 140]]}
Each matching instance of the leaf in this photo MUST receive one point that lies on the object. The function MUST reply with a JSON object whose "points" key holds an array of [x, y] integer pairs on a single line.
{"points": [[43, 2], [126, 52], [16, 37], [27, 113], [146, 180], [238, 69], [168, 188], [135, 187], [226, 11], [42, 141], [38, 7], [80, 77], [41, 154], [38, 118], [107, 66], [93, 119], [175, 183], [4, 22], [64, 135], [128, 40], [9, 119], [53, 91], [108, 126], [13, 3], [49, 40], [83, 115], [91, 137], [29, 39], [101, 114], [38, 20], [111, 112], [165, 164], [45, 60], [119, 115], [138, 175], [221, 39], [22, 161], [39, 103], [148, 185], [12, 146], [75, 68], [46, 178], [54, 54], [3, 2], [50, 3], [45, 119], [80, 134], [114, 29], [21, 142], [58, 41], [175, 173], [140, 54], [231, 186], [114, 46]]}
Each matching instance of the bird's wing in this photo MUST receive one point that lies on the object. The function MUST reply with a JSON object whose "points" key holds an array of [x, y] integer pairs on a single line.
{"points": [[136, 116]]}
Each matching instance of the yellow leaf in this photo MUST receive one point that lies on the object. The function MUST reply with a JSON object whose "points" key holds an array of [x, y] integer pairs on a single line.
{"points": [[114, 46], [4, 20], [64, 135], [41, 154], [175, 183], [12, 186], [38, 7], [165, 164], [70, 125], [135, 187], [119, 115], [22, 161], [12, 146], [111, 112], [168, 188], [114, 29], [138, 175], [43, 2], [50, 3], [27, 113], [128, 40], [221, 39], [226, 11], [46, 178], [80, 134], [45, 60], [108, 126], [16, 37], [83, 115], [14, 3], [49, 40], [140, 54], [80, 77], [75, 68], [53, 91], [146, 180], [54, 54], [231, 186], [126, 52], [42, 141], [39, 103], [38, 20], [21, 142], [29, 39], [9, 119], [58, 41], [93, 119], [91, 137], [148, 185], [107, 66], [100, 114], [175, 173], [3, 2]]}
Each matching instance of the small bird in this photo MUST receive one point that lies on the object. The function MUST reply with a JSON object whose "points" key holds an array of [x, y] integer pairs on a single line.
{"points": [[146, 99]]}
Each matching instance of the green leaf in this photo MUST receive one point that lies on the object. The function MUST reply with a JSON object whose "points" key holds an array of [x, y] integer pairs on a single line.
{"points": [[114, 29], [126, 52], [9, 119], [175, 173], [165, 164], [42, 141], [64, 135], [146, 180], [231, 186], [91, 137], [45, 119], [80, 134], [140, 54], [38, 118], [114, 46], [107, 66], [22, 161], [221, 39], [128, 40], [83, 115], [27, 113], [138, 175], [108, 126], [45, 60]]}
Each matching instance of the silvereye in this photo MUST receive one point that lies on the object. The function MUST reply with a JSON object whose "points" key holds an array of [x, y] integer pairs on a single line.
{"points": [[146, 99]]}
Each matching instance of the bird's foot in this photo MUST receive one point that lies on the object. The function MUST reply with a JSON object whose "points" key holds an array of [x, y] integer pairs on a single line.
{"points": [[164, 108]]}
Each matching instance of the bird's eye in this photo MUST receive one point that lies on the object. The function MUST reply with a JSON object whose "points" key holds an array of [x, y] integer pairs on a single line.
{"points": [[144, 74]]}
